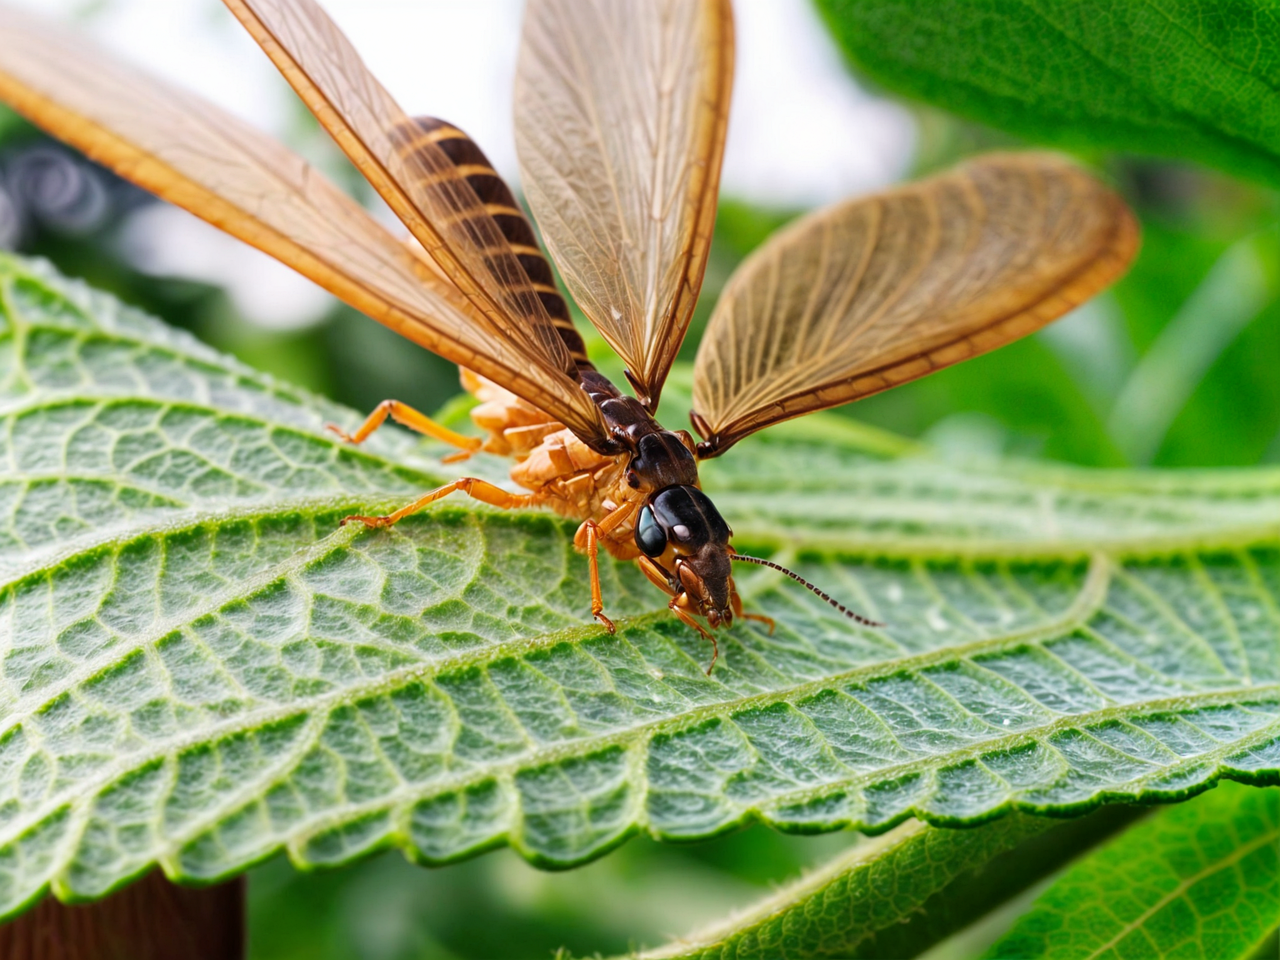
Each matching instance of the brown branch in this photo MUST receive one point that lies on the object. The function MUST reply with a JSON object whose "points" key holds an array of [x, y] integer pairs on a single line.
{"points": [[150, 919]]}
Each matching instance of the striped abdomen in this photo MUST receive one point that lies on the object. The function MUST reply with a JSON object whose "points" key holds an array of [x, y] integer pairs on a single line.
{"points": [[501, 205]]}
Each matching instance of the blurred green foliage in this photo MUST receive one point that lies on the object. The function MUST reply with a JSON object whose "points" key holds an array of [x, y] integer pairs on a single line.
{"points": [[499, 906], [1191, 79]]}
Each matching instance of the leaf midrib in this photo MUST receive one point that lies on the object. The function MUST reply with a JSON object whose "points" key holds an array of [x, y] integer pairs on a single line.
{"points": [[1087, 601]]}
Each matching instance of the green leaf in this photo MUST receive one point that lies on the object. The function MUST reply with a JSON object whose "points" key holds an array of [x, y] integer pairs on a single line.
{"points": [[1201, 879], [901, 893], [201, 668], [1193, 79], [1235, 292]]}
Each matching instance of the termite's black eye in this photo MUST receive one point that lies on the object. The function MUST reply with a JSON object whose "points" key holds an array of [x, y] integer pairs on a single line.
{"points": [[633, 479], [650, 537]]}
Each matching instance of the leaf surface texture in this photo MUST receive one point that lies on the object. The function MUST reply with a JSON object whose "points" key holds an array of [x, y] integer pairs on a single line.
{"points": [[1199, 879], [200, 668]]}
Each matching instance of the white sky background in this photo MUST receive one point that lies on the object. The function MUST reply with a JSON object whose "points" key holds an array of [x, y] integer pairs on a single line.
{"points": [[801, 133]]}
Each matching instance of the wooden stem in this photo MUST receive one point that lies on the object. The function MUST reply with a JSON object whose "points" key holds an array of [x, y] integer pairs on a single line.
{"points": [[150, 919]]}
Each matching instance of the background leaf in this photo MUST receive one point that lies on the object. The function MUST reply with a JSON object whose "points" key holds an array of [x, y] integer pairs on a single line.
{"points": [[1193, 79], [202, 668], [901, 893], [1229, 299], [1200, 879]]}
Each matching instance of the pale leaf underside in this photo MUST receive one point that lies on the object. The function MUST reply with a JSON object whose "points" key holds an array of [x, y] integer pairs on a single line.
{"points": [[200, 668]]}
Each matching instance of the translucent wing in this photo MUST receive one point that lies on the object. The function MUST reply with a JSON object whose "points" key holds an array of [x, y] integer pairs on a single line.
{"points": [[621, 108], [189, 152], [407, 167], [874, 292]]}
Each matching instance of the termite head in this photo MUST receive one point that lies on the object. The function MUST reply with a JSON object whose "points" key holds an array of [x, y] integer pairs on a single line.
{"points": [[682, 532]]}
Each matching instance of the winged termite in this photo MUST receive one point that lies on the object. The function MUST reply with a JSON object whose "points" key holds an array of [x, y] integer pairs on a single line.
{"points": [[621, 109]]}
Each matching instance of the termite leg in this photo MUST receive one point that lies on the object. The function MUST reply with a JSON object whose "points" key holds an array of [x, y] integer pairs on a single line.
{"points": [[676, 606], [655, 575], [415, 420], [737, 610], [481, 490], [593, 562], [587, 539]]}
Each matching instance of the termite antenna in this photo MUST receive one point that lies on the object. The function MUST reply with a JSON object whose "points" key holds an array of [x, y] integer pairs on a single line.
{"points": [[857, 617]]}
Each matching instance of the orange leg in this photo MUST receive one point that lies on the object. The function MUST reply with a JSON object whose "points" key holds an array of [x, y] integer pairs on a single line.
{"points": [[481, 490], [588, 539], [737, 610], [677, 605], [593, 562], [404, 414], [655, 575]]}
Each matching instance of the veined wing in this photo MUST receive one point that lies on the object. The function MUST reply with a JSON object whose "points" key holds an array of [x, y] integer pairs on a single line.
{"points": [[621, 107], [874, 292], [407, 167], [186, 150]]}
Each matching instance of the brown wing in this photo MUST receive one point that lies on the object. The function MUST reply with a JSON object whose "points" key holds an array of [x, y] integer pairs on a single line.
{"points": [[193, 154], [620, 121], [407, 167], [874, 292], [501, 204]]}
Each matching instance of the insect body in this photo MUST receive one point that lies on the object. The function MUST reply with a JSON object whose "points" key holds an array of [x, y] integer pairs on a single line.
{"points": [[652, 505], [621, 111], [648, 495]]}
